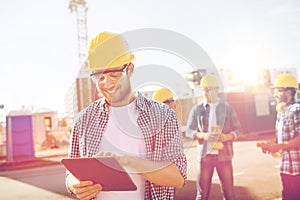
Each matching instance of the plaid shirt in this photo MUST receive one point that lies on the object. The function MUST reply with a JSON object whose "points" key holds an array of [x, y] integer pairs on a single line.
{"points": [[161, 132], [226, 118], [290, 119]]}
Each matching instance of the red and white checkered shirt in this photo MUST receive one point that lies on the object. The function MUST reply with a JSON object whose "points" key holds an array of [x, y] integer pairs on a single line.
{"points": [[161, 132], [290, 120]]}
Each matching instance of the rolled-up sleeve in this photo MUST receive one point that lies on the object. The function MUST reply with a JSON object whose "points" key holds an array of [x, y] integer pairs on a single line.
{"points": [[174, 149]]}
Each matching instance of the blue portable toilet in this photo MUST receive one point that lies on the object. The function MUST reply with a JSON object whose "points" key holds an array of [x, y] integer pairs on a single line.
{"points": [[19, 138]]}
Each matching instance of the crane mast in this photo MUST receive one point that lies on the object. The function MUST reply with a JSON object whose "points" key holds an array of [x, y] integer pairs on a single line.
{"points": [[79, 7], [85, 91]]}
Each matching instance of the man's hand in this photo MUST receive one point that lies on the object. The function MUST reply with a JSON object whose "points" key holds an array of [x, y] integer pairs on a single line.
{"points": [[201, 136], [83, 190], [225, 137], [263, 145], [274, 148], [122, 158], [266, 146], [163, 173], [271, 147], [86, 190]]}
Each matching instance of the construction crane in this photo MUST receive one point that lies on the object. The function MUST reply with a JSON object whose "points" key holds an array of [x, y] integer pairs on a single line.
{"points": [[85, 91], [79, 6]]}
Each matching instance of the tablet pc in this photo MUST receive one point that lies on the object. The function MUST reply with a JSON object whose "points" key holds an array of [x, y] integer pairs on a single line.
{"points": [[104, 170]]}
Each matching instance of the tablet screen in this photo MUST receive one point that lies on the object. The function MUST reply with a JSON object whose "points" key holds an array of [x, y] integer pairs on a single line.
{"points": [[105, 170]]}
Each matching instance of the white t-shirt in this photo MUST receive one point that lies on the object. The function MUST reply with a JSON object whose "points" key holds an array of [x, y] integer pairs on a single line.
{"points": [[212, 121], [279, 130], [124, 136]]}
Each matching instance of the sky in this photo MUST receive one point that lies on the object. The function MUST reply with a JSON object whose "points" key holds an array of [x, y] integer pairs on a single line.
{"points": [[39, 49]]}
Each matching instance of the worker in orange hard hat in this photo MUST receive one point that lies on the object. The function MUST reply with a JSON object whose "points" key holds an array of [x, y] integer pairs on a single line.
{"points": [[128, 126], [287, 140], [165, 96], [214, 124]]}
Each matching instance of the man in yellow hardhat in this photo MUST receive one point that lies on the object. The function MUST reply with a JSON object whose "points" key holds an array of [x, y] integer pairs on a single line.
{"points": [[215, 125], [287, 140], [165, 96], [141, 133]]}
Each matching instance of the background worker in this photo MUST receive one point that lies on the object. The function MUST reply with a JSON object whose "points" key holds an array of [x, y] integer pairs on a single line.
{"points": [[215, 125], [287, 140], [142, 133], [165, 96]]}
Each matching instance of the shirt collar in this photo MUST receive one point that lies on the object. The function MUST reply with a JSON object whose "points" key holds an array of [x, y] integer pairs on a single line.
{"points": [[205, 102], [104, 105], [140, 101]]}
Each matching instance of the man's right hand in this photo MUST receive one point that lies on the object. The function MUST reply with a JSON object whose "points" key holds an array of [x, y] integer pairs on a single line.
{"points": [[201, 136], [83, 190]]}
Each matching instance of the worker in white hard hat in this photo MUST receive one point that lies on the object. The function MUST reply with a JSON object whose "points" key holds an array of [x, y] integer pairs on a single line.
{"points": [[142, 134], [214, 124], [165, 96], [287, 140]]}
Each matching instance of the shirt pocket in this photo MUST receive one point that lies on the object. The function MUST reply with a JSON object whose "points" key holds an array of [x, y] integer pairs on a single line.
{"points": [[288, 125]]}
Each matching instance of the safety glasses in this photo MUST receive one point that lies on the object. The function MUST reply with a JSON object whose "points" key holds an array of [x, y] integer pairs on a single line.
{"points": [[113, 74]]}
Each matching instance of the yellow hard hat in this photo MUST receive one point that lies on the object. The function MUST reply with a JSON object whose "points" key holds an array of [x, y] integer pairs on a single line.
{"points": [[209, 81], [286, 81], [162, 94], [108, 51]]}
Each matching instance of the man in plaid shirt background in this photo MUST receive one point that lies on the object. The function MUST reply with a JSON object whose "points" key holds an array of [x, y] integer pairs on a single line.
{"points": [[287, 142], [144, 134]]}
